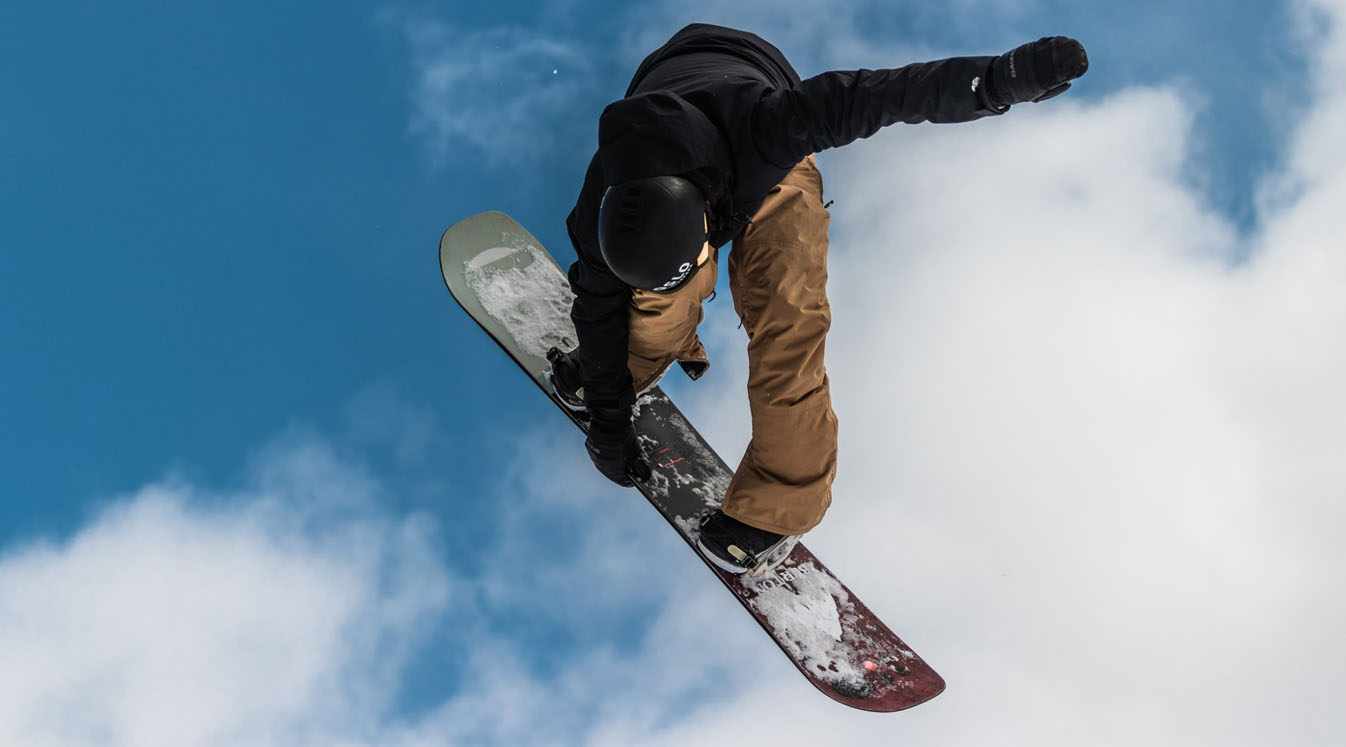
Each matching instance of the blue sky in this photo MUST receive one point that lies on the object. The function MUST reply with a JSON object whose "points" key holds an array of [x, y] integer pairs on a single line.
{"points": [[230, 363]]}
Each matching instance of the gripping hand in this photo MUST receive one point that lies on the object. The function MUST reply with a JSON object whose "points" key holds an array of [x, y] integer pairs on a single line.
{"points": [[612, 447]]}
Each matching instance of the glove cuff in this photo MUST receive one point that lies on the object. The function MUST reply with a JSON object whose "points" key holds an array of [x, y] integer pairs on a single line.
{"points": [[988, 93]]}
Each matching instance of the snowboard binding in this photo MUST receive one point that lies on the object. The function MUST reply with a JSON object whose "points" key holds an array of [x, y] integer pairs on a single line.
{"points": [[736, 547]]}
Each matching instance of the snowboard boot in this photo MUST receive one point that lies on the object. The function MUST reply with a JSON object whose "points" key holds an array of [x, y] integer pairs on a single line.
{"points": [[566, 384], [739, 548]]}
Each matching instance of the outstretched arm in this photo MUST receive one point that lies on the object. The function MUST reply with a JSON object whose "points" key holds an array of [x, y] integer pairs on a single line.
{"points": [[836, 108]]}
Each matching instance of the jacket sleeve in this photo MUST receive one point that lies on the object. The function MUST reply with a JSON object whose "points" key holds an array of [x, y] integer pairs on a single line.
{"points": [[600, 313], [836, 108]]}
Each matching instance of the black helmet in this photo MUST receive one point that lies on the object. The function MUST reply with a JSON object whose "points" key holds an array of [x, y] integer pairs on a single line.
{"points": [[651, 231]]}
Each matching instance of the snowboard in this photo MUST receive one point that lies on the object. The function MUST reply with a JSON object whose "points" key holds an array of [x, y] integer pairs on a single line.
{"points": [[500, 274]]}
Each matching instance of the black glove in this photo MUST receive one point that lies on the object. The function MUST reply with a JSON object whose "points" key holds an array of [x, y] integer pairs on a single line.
{"points": [[1035, 71], [612, 447]]}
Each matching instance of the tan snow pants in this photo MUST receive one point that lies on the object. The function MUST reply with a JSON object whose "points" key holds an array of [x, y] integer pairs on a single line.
{"points": [[778, 277]]}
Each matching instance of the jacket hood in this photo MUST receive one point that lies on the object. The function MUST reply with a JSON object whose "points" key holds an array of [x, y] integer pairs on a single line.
{"points": [[660, 134], [704, 37]]}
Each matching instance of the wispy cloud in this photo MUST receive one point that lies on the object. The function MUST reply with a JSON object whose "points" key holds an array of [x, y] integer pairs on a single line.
{"points": [[506, 94]]}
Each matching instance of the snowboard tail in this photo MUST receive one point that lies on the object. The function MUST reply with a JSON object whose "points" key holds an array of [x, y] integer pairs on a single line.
{"points": [[500, 274]]}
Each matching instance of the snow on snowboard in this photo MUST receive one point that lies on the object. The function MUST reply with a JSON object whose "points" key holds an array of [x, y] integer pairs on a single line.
{"points": [[513, 288]]}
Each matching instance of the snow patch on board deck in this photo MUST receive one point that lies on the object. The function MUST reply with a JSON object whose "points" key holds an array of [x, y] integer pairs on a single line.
{"points": [[522, 288], [710, 487], [804, 605]]}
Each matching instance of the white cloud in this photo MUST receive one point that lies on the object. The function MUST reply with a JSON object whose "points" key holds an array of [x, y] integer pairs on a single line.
{"points": [[281, 615], [292, 610], [1091, 460]]}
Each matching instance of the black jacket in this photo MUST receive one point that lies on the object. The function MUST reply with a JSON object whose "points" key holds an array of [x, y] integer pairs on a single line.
{"points": [[725, 109]]}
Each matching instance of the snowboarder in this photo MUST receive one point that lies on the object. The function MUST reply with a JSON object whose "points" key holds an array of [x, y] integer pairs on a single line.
{"points": [[714, 142]]}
